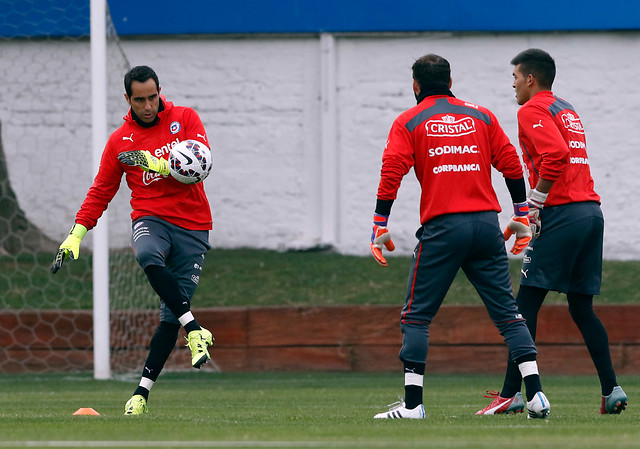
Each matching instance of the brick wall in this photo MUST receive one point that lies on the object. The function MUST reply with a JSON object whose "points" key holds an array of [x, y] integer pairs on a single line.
{"points": [[340, 338]]}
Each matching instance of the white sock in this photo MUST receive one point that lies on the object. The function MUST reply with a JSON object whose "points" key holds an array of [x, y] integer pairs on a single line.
{"points": [[186, 318], [146, 383], [528, 368], [413, 379]]}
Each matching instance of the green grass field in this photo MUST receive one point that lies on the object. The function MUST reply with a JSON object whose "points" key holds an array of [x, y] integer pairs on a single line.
{"points": [[251, 277], [333, 410]]}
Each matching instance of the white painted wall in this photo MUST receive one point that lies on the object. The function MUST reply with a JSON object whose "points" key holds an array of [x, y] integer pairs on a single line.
{"points": [[264, 104]]}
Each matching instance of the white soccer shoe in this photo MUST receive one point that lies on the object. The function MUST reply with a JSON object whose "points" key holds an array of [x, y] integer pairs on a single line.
{"points": [[397, 410], [539, 406]]}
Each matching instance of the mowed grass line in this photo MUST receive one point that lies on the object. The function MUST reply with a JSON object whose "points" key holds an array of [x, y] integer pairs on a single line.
{"points": [[302, 410]]}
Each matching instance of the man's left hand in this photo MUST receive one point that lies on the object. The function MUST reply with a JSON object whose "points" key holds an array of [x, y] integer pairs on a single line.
{"points": [[380, 237]]}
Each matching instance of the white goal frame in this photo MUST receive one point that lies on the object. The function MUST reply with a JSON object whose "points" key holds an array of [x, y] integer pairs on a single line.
{"points": [[101, 333]]}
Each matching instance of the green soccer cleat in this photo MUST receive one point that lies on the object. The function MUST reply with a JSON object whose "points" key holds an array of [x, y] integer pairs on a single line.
{"points": [[198, 341], [137, 405]]}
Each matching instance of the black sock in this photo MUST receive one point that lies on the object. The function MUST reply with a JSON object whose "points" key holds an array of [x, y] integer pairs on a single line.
{"points": [[532, 385], [160, 347], [413, 393], [192, 326], [529, 301], [166, 286], [595, 338], [512, 380], [142, 392], [532, 381]]}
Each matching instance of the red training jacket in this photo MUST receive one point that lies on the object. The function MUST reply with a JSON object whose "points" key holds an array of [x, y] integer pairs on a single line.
{"points": [[183, 205], [554, 148], [452, 145]]}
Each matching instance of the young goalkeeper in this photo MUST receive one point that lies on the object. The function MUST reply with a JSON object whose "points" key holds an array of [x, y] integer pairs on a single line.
{"points": [[171, 220], [565, 254]]}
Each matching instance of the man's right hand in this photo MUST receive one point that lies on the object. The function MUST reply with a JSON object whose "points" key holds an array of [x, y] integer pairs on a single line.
{"points": [[69, 247], [520, 226], [536, 200], [144, 160]]}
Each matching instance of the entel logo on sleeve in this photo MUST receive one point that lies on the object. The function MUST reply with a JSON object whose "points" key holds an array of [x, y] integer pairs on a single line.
{"points": [[447, 125]]}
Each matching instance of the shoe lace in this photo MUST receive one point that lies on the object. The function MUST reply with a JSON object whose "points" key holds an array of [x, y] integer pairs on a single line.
{"points": [[396, 405], [491, 394], [194, 342]]}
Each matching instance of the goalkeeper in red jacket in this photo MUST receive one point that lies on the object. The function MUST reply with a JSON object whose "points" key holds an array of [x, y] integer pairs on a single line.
{"points": [[170, 220], [566, 252], [452, 146]]}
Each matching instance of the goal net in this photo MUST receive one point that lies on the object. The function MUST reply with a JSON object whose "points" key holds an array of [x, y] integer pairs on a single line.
{"points": [[46, 168]]}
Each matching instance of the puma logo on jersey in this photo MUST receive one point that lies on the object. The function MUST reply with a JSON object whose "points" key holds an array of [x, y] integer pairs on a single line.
{"points": [[538, 124], [128, 138], [204, 138], [524, 272]]}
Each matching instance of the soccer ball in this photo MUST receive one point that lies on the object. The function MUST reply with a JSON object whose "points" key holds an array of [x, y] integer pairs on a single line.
{"points": [[190, 162]]}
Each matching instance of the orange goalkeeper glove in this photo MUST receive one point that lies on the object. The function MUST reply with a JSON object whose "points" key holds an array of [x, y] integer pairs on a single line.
{"points": [[520, 226], [380, 237]]}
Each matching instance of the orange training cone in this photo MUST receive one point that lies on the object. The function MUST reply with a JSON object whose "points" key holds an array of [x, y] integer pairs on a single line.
{"points": [[86, 411]]}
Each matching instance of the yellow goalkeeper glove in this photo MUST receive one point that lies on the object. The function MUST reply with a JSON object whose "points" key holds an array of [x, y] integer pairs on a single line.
{"points": [[70, 247], [144, 160]]}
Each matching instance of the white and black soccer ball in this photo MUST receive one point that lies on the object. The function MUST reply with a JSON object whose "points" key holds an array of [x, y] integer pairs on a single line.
{"points": [[190, 162]]}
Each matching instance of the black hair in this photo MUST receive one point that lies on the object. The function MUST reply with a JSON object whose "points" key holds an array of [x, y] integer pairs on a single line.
{"points": [[431, 71], [141, 74], [537, 63]]}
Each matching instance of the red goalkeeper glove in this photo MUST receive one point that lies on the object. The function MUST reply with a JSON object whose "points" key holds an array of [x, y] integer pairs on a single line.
{"points": [[380, 237], [520, 226]]}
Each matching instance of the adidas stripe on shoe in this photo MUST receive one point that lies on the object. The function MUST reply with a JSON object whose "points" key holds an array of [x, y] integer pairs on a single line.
{"points": [[397, 410]]}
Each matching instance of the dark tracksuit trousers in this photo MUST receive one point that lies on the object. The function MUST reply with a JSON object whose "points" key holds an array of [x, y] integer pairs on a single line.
{"points": [[475, 243]]}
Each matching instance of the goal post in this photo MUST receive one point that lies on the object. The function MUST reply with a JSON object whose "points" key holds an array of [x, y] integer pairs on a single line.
{"points": [[88, 317], [101, 314]]}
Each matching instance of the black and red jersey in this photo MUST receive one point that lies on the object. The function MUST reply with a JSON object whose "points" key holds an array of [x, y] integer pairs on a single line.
{"points": [[452, 145], [183, 205], [554, 147]]}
